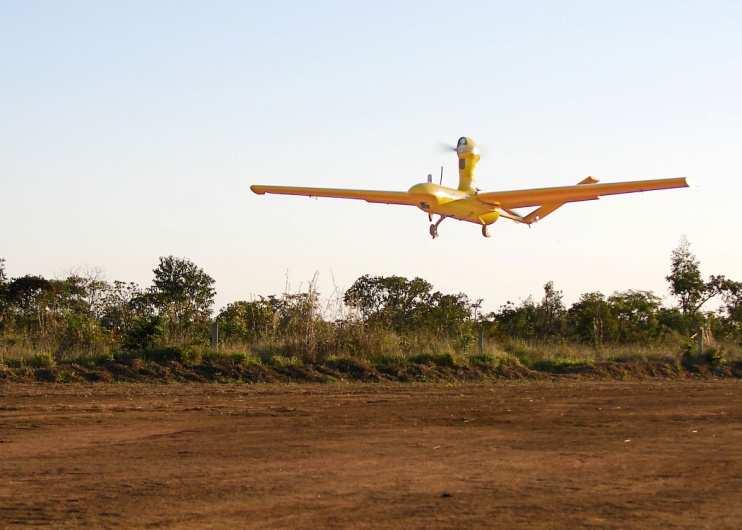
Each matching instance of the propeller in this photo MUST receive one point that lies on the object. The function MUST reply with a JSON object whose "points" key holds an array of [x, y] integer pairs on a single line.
{"points": [[445, 147]]}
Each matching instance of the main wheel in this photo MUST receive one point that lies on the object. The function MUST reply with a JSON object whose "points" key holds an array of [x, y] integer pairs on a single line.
{"points": [[433, 231], [485, 231]]}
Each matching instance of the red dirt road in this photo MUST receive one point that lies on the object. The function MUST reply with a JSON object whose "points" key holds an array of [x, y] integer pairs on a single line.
{"points": [[568, 454]]}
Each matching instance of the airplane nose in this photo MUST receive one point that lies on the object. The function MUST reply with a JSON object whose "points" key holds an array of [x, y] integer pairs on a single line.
{"points": [[466, 145]]}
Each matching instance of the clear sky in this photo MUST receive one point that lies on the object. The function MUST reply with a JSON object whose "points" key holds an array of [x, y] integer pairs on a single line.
{"points": [[131, 130]]}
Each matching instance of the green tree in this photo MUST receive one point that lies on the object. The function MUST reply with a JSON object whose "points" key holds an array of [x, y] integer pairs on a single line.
{"points": [[290, 315], [549, 314], [516, 321], [183, 295], [590, 319], [732, 310], [27, 298], [72, 308], [449, 315], [685, 278], [688, 286], [411, 306], [391, 301], [121, 305], [636, 314], [144, 332], [246, 321]]}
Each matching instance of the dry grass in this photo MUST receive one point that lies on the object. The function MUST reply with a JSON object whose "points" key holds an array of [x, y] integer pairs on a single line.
{"points": [[575, 352], [380, 348]]}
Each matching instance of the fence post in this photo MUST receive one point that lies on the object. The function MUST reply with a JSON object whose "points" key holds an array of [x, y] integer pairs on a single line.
{"points": [[700, 340], [214, 328]]}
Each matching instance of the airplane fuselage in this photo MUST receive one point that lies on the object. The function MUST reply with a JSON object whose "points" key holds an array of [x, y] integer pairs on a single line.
{"points": [[458, 203], [450, 202]]}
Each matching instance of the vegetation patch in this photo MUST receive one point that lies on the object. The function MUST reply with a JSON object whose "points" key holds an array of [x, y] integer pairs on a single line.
{"points": [[83, 328], [175, 365], [484, 360], [561, 366], [354, 368], [444, 360]]}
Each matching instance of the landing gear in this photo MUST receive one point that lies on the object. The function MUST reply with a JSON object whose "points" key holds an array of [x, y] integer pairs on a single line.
{"points": [[434, 227], [485, 231]]}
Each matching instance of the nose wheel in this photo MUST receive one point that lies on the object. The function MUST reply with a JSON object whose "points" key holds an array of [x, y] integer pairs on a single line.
{"points": [[485, 231]]}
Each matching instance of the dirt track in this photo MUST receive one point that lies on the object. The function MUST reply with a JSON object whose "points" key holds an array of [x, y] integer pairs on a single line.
{"points": [[572, 454]]}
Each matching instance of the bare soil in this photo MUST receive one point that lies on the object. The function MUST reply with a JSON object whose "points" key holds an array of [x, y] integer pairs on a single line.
{"points": [[573, 453]]}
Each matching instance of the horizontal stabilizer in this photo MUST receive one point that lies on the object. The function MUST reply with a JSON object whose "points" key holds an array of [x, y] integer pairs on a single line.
{"points": [[548, 208]]}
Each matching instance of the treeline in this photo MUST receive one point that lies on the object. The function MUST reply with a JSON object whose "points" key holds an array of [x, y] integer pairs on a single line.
{"points": [[631, 316], [86, 315]]}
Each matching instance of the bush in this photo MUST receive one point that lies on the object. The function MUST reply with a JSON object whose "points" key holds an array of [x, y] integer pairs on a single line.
{"points": [[93, 361], [41, 360], [445, 360], [389, 363], [348, 365], [234, 358], [715, 356], [185, 355], [484, 360], [144, 334], [559, 365], [281, 361]]}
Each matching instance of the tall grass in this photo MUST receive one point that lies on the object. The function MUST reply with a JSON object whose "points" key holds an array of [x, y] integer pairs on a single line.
{"points": [[380, 345]]}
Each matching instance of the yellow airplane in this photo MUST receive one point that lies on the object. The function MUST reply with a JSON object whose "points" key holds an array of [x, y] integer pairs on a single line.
{"points": [[467, 203]]}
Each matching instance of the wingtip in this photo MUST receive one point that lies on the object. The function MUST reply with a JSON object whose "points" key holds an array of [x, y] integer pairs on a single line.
{"points": [[256, 189]]}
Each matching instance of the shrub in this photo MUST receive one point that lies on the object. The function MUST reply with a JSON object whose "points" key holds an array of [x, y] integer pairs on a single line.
{"points": [[93, 361], [41, 360], [281, 361], [183, 355], [559, 365], [434, 359], [714, 356], [144, 334], [484, 360], [348, 365], [389, 363], [234, 358]]}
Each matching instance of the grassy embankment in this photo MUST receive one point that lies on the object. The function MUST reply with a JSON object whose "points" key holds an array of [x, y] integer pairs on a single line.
{"points": [[421, 360]]}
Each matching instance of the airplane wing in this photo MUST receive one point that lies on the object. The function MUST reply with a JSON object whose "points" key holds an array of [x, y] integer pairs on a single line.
{"points": [[385, 197], [580, 192]]}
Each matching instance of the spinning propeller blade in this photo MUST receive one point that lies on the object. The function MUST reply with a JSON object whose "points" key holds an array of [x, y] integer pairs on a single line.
{"points": [[445, 147]]}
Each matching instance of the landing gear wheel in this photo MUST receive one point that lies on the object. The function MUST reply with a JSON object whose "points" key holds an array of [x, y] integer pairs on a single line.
{"points": [[434, 227], [485, 231]]}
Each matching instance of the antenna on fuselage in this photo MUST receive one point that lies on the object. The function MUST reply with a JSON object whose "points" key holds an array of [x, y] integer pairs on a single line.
{"points": [[430, 178], [441, 181]]}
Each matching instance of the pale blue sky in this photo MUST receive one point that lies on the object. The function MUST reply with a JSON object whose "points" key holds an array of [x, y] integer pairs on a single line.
{"points": [[132, 130]]}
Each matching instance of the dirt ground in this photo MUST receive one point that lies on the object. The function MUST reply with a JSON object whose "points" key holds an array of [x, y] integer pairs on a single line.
{"points": [[526, 454]]}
